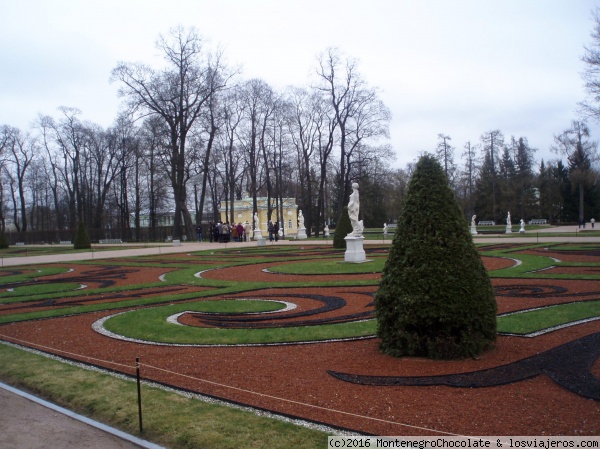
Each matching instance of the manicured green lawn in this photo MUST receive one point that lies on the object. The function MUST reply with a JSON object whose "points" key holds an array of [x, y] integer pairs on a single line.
{"points": [[151, 324], [535, 320], [33, 292], [328, 266]]}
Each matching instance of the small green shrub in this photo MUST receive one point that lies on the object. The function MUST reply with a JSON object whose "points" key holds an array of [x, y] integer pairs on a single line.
{"points": [[435, 298], [343, 228], [3, 240], [82, 240]]}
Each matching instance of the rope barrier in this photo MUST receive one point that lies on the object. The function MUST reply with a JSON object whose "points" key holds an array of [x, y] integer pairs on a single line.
{"points": [[132, 367], [243, 390], [291, 401]]}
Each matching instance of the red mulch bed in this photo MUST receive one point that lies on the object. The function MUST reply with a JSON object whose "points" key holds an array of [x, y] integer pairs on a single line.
{"points": [[294, 379]]}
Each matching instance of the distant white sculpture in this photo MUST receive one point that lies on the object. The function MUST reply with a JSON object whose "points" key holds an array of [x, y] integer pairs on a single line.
{"points": [[300, 220], [353, 209], [326, 231], [354, 240], [257, 232], [301, 229], [473, 225], [508, 224], [385, 229], [522, 230]]}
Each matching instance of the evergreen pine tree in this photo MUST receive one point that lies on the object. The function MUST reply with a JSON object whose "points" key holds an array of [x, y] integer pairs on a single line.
{"points": [[435, 298], [343, 228], [82, 240]]}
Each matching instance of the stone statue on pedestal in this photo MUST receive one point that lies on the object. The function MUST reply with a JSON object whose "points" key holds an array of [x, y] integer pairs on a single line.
{"points": [[257, 232], [354, 240], [301, 229], [353, 209]]}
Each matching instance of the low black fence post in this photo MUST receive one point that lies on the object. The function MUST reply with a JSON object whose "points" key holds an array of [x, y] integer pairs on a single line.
{"points": [[139, 391]]}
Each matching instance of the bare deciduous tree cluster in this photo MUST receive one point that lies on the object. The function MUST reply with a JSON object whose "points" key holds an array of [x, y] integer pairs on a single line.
{"points": [[193, 137]]}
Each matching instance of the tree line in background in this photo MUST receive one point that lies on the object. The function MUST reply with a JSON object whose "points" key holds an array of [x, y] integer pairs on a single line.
{"points": [[193, 137]]}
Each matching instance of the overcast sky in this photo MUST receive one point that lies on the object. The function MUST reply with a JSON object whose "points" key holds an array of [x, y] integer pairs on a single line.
{"points": [[456, 67]]}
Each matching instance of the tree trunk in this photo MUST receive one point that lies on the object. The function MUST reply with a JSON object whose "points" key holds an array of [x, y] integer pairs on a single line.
{"points": [[581, 214]]}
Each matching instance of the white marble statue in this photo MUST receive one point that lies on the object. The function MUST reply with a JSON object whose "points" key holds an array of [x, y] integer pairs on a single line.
{"points": [[522, 230], [301, 235], [508, 224], [473, 225], [353, 209], [385, 229], [326, 231], [256, 222]]}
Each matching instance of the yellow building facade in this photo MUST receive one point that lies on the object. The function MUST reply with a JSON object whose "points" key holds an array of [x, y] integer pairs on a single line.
{"points": [[243, 212]]}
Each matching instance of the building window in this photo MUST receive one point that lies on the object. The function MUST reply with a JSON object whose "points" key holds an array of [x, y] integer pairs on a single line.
{"points": [[290, 225]]}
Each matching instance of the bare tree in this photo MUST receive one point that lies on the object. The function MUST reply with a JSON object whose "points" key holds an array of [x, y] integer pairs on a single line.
{"points": [[280, 161], [69, 137], [257, 103], [303, 130], [360, 115], [22, 149], [212, 122], [591, 74], [47, 129], [179, 94], [468, 177], [445, 154], [325, 133], [232, 112], [493, 142], [154, 137], [266, 141]]}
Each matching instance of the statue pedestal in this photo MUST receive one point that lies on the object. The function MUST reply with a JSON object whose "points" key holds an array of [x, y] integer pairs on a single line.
{"points": [[301, 234], [354, 249], [257, 234], [473, 230], [509, 229]]}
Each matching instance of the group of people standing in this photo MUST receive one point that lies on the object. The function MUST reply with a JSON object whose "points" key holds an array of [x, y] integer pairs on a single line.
{"points": [[242, 232], [273, 229], [225, 232]]}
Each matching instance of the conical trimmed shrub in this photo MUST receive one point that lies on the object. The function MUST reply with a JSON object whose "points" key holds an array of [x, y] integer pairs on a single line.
{"points": [[435, 298], [343, 228], [82, 240]]}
